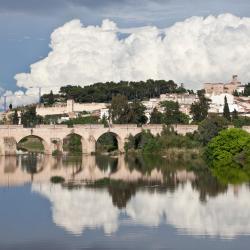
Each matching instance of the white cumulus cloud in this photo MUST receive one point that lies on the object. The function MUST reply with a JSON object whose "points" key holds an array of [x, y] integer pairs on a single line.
{"points": [[194, 51]]}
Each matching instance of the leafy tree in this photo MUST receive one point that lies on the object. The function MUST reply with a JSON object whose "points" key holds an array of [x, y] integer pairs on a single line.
{"points": [[137, 113], [210, 127], [15, 119], [119, 109], [246, 91], [156, 117], [235, 115], [199, 110], [172, 113], [226, 111], [241, 121], [103, 92], [228, 154], [29, 118], [51, 99]]}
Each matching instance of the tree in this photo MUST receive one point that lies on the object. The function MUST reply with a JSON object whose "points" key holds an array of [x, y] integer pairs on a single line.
{"points": [[246, 91], [15, 119], [228, 155], [172, 113], [119, 109], [29, 118], [156, 117], [51, 99], [226, 111], [210, 127], [235, 115], [199, 110], [137, 113]]}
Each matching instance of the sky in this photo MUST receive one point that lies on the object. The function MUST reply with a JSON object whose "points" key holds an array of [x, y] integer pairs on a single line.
{"points": [[50, 42]]}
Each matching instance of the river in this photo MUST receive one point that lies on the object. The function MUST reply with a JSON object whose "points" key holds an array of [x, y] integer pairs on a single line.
{"points": [[118, 203]]}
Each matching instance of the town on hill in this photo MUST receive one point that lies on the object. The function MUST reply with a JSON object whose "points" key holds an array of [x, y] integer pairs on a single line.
{"points": [[152, 101]]}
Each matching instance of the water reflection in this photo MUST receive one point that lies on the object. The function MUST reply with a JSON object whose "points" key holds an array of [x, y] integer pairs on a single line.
{"points": [[100, 192]]}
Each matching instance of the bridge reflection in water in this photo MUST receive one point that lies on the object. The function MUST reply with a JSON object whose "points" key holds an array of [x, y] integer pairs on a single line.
{"points": [[22, 169], [193, 203]]}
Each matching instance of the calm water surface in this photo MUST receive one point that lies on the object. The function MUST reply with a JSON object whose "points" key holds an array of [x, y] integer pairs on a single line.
{"points": [[118, 203]]}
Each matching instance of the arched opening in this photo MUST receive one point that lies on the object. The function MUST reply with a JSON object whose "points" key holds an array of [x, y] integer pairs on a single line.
{"points": [[72, 144], [108, 143], [32, 144], [135, 142]]}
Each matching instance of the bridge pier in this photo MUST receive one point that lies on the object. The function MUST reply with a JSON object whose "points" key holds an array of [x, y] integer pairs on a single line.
{"points": [[9, 146]]}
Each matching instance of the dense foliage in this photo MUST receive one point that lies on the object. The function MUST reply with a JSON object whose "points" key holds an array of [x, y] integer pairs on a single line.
{"points": [[149, 144], [210, 127], [123, 112], [29, 118], [228, 154], [199, 110], [103, 92]]}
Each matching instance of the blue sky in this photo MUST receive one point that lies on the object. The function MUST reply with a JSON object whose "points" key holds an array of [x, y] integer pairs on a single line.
{"points": [[26, 25]]}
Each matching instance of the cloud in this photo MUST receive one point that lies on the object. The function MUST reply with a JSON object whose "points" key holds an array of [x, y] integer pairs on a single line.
{"points": [[18, 98], [194, 51], [76, 210]]}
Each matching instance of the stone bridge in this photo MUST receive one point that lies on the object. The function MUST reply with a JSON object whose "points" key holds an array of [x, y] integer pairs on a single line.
{"points": [[52, 135]]}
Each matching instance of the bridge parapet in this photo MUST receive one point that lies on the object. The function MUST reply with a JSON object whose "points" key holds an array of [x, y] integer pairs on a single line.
{"points": [[124, 126], [152, 126], [89, 126], [11, 126], [45, 126]]}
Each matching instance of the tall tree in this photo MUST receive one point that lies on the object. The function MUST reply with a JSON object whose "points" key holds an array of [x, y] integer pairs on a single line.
{"points": [[15, 119], [137, 113], [172, 113], [119, 109], [199, 110], [29, 118], [235, 115], [246, 91], [51, 99], [156, 117], [226, 111]]}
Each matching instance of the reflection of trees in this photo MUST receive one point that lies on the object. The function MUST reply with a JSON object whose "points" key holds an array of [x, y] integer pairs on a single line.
{"points": [[208, 185], [121, 193], [10, 164], [105, 162]]}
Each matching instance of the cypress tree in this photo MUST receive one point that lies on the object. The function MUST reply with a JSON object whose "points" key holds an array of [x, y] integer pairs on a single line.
{"points": [[226, 111], [235, 115]]}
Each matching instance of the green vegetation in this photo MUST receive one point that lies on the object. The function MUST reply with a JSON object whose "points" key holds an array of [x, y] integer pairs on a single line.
{"points": [[228, 155], [199, 110], [209, 128], [29, 118], [161, 144], [73, 144], [123, 112], [106, 143], [57, 179], [103, 92], [226, 111], [172, 114], [82, 120], [31, 144]]}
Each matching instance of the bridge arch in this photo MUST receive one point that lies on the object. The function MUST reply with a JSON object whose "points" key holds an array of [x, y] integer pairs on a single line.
{"points": [[118, 142], [76, 142], [46, 145]]}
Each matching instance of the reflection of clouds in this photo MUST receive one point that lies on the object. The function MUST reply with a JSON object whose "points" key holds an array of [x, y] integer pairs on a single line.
{"points": [[78, 209], [226, 215]]}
